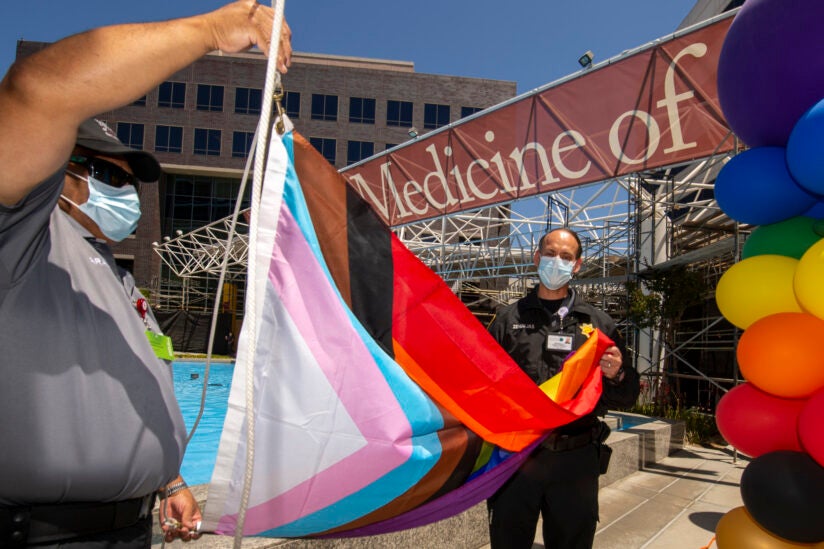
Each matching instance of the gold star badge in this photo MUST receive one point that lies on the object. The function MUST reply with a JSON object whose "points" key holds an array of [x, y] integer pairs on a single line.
{"points": [[587, 329]]}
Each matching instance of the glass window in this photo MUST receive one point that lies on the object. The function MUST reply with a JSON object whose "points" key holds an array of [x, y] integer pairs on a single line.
{"points": [[130, 134], [182, 210], [184, 186], [201, 211], [399, 113], [221, 208], [362, 110], [325, 146], [192, 202], [291, 102], [209, 98], [172, 95], [169, 139], [247, 100], [207, 142], [242, 144], [390, 145], [324, 107], [202, 186], [140, 102], [358, 150], [468, 111], [223, 189], [435, 116]]}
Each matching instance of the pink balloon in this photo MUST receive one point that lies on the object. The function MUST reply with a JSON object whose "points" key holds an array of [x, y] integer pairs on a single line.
{"points": [[810, 430], [756, 422]]}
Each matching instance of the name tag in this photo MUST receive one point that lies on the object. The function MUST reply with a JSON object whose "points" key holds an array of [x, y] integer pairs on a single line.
{"points": [[161, 345], [559, 342]]}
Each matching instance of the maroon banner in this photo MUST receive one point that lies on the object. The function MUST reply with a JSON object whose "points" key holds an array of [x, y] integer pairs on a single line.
{"points": [[654, 108]]}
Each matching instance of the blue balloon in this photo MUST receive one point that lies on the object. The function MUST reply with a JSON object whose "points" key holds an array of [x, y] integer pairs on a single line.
{"points": [[756, 187], [817, 211], [805, 148]]}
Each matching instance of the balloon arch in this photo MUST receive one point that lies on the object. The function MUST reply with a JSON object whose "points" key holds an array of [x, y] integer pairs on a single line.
{"points": [[771, 87]]}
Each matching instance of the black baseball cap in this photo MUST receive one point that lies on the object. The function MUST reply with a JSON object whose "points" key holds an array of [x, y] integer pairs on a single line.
{"points": [[96, 135]]}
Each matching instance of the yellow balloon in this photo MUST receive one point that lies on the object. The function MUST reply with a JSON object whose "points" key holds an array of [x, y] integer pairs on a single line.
{"points": [[738, 530], [756, 287], [808, 277]]}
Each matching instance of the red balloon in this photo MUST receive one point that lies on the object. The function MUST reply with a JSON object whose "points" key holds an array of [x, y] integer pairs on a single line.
{"points": [[756, 422], [809, 427]]}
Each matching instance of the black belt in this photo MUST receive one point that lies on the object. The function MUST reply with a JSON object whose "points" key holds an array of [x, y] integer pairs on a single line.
{"points": [[23, 525], [558, 442]]}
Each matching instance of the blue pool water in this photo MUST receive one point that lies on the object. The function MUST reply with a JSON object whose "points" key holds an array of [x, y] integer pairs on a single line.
{"points": [[199, 460], [628, 421]]}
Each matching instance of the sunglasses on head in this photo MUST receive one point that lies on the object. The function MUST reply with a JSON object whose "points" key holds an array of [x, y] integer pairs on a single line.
{"points": [[109, 173]]}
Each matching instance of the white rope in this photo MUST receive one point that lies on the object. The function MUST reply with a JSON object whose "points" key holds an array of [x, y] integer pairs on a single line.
{"points": [[218, 296], [219, 293], [272, 82]]}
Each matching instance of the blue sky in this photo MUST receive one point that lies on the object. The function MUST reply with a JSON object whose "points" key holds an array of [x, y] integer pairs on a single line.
{"points": [[531, 42]]}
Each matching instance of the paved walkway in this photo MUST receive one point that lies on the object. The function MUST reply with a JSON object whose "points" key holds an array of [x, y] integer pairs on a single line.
{"points": [[673, 504]]}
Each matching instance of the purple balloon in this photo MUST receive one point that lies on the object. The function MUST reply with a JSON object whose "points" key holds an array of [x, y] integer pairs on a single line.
{"points": [[771, 68]]}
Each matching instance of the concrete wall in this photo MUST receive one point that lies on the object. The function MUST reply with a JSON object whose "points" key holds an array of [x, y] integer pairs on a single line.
{"points": [[635, 447]]}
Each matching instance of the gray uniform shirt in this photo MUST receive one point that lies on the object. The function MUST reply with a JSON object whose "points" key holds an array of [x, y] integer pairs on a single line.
{"points": [[87, 411]]}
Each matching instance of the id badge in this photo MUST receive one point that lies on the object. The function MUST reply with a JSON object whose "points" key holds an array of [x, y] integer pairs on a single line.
{"points": [[559, 342], [161, 345]]}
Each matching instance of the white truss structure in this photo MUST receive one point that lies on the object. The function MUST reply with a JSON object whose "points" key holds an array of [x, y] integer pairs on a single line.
{"points": [[619, 221]]}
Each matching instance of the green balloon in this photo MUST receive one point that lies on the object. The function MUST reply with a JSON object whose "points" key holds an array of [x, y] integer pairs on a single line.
{"points": [[791, 237]]}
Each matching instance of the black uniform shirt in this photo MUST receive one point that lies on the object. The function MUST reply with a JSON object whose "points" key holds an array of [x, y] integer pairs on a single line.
{"points": [[523, 329]]}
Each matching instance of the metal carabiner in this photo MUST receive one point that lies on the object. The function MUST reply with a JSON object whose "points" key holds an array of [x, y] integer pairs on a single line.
{"points": [[277, 95]]}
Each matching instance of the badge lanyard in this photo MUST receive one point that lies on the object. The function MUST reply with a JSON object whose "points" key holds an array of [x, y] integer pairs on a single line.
{"points": [[563, 310], [161, 344], [558, 341]]}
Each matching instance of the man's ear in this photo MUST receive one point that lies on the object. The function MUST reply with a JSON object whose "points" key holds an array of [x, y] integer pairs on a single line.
{"points": [[578, 263], [536, 258]]}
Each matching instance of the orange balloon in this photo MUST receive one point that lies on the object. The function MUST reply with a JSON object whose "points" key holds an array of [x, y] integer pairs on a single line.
{"points": [[781, 354], [738, 530]]}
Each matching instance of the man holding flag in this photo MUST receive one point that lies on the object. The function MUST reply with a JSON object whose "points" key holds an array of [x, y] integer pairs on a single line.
{"points": [[559, 481]]}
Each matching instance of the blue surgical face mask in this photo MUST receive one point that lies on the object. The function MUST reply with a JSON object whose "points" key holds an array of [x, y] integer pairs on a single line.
{"points": [[555, 272], [115, 210]]}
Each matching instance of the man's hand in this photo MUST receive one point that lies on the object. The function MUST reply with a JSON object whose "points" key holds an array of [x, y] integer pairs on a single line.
{"points": [[611, 363], [238, 26], [180, 516]]}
